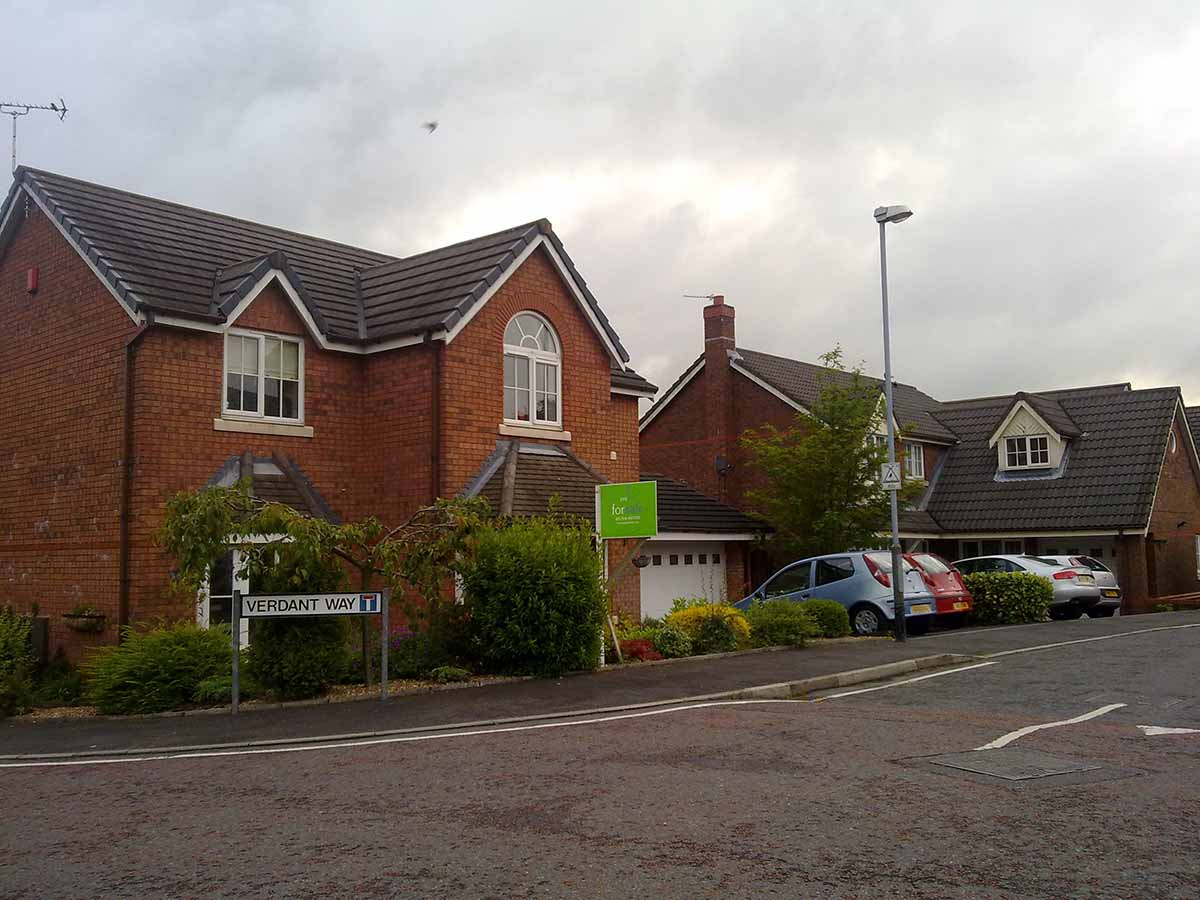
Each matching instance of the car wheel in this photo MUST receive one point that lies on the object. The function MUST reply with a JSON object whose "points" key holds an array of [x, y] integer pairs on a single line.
{"points": [[1106, 613], [866, 620], [1070, 612]]}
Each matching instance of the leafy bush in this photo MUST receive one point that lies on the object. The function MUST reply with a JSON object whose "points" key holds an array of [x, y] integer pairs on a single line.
{"points": [[447, 674], [16, 693], [681, 603], [1163, 607], [716, 634], [415, 656], [778, 623], [16, 651], [639, 648], [59, 683], [536, 596], [1009, 598], [831, 617], [158, 670], [672, 642], [689, 619], [218, 689], [296, 658]]}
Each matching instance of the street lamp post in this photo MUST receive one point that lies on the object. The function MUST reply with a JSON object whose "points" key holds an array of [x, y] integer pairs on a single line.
{"points": [[884, 215]]}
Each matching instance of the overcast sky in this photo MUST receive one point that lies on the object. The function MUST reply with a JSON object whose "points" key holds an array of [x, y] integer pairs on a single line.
{"points": [[1050, 152]]}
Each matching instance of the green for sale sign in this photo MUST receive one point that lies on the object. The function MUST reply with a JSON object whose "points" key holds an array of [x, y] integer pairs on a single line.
{"points": [[627, 510]]}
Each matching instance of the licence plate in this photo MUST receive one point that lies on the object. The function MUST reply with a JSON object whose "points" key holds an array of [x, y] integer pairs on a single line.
{"points": [[961, 605], [1111, 593], [918, 608]]}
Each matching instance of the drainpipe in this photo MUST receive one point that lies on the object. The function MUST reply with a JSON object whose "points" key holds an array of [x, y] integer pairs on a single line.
{"points": [[437, 348], [126, 490]]}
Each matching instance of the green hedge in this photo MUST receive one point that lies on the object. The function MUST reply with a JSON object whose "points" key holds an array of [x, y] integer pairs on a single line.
{"points": [[154, 671], [536, 597], [297, 658], [671, 642], [831, 617], [778, 623], [1009, 598]]}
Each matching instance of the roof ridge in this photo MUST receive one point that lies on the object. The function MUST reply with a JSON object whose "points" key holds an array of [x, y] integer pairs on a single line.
{"points": [[803, 362], [1049, 395], [175, 204], [541, 224]]}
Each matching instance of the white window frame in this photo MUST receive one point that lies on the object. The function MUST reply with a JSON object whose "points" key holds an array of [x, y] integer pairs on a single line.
{"points": [[1028, 451], [535, 357], [261, 415], [914, 452]]}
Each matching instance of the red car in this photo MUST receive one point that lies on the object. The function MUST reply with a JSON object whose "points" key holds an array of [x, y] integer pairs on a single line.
{"points": [[953, 600]]}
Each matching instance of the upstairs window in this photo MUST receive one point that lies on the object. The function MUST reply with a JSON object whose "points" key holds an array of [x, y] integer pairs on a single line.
{"points": [[914, 460], [1027, 452], [532, 372], [264, 377]]}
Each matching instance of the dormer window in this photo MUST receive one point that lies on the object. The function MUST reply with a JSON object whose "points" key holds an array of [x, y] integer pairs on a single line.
{"points": [[1027, 452], [532, 363]]}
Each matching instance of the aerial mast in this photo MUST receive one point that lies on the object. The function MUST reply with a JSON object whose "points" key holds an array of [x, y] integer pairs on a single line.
{"points": [[23, 109]]}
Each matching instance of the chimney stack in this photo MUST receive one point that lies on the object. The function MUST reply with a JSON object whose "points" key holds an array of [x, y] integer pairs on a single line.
{"points": [[718, 390]]}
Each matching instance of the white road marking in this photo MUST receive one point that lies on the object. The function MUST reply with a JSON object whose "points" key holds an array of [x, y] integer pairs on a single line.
{"points": [[892, 684], [1103, 637], [1152, 730], [368, 742], [1005, 740]]}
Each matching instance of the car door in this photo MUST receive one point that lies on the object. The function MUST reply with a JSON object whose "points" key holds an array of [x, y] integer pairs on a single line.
{"points": [[792, 583], [833, 579]]}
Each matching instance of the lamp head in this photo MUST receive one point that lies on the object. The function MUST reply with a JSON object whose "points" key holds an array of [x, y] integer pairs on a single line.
{"points": [[885, 214]]}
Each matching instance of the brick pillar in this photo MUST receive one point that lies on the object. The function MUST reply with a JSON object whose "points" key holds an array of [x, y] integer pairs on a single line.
{"points": [[718, 390], [1135, 575]]}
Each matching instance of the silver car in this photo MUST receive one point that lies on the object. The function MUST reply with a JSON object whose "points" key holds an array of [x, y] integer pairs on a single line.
{"points": [[1106, 580], [860, 581], [1075, 590]]}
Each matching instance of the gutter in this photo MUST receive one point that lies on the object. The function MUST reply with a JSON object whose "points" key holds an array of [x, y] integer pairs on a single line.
{"points": [[126, 491]]}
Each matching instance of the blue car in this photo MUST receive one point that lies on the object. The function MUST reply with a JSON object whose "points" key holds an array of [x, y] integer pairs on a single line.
{"points": [[861, 581]]}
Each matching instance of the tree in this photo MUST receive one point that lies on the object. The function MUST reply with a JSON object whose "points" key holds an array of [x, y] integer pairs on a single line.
{"points": [[822, 492]]}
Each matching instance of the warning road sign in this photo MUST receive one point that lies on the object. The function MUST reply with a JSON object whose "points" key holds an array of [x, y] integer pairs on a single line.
{"points": [[890, 476]]}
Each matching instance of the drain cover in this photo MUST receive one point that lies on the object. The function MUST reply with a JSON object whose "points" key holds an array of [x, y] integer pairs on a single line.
{"points": [[1011, 765]]}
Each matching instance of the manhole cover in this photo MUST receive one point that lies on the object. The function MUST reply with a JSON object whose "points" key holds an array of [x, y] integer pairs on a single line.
{"points": [[1011, 765]]}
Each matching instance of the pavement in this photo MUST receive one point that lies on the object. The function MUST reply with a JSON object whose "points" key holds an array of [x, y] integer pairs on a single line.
{"points": [[866, 792], [617, 688]]}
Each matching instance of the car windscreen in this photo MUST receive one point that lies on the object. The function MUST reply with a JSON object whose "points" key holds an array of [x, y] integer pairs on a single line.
{"points": [[1092, 563], [883, 561], [931, 564]]}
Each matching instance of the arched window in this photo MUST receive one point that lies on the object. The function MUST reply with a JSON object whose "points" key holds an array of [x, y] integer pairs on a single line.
{"points": [[532, 361]]}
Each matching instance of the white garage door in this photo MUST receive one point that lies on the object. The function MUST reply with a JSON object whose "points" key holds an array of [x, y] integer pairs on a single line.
{"points": [[680, 569]]}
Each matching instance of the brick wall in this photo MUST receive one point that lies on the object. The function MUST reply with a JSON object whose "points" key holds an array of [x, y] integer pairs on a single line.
{"points": [[60, 432], [1175, 522]]}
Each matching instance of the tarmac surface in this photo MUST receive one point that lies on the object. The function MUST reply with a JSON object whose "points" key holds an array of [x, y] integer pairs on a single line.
{"points": [[874, 791]]}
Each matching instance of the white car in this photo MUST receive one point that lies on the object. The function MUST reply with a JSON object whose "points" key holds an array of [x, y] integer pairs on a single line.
{"points": [[1106, 580], [1075, 590]]}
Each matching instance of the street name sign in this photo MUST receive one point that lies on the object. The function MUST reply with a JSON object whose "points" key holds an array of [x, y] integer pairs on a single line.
{"points": [[627, 510], [265, 605], [890, 476]]}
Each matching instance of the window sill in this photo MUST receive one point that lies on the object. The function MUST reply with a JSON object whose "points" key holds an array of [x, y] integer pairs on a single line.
{"points": [[250, 426], [534, 431]]}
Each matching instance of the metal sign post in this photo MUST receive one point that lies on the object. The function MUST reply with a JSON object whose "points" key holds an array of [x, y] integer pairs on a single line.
{"points": [[270, 606]]}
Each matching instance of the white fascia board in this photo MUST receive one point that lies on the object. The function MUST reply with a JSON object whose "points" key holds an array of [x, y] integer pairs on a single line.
{"points": [[986, 535], [698, 536], [671, 394], [564, 273], [768, 388], [1017, 407], [129, 311], [630, 392]]}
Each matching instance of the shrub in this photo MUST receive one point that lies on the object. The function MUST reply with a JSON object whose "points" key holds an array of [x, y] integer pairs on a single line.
{"points": [[681, 603], [158, 670], [59, 684], [447, 674], [415, 656], [690, 618], [831, 617], [16, 693], [1163, 607], [16, 651], [536, 596], [1009, 598], [672, 642], [778, 623], [296, 658], [639, 648], [716, 634]]}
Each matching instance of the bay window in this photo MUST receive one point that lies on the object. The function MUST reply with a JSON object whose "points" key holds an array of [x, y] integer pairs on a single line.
{"points": [[532, 367], [264, 377]]}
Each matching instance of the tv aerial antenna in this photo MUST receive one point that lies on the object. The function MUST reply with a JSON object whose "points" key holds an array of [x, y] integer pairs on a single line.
{"points": [[16, 110]]}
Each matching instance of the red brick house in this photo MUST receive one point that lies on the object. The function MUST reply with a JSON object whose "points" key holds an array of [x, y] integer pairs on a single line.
{"points": [[1105, 471], [152, 348]]}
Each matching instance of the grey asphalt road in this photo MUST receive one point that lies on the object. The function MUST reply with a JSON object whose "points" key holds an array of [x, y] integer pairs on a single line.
{"points": [[835, 798]]}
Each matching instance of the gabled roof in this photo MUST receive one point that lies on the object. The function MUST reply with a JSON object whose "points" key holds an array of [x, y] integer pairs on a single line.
{"points": [[196, 266], [1046, 408], [802, 383], [1108, 481], [1193, 422], [275, 479]]}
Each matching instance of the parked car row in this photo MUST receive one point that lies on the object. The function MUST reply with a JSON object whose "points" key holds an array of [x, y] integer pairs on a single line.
{"points": [[934, 589]]}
